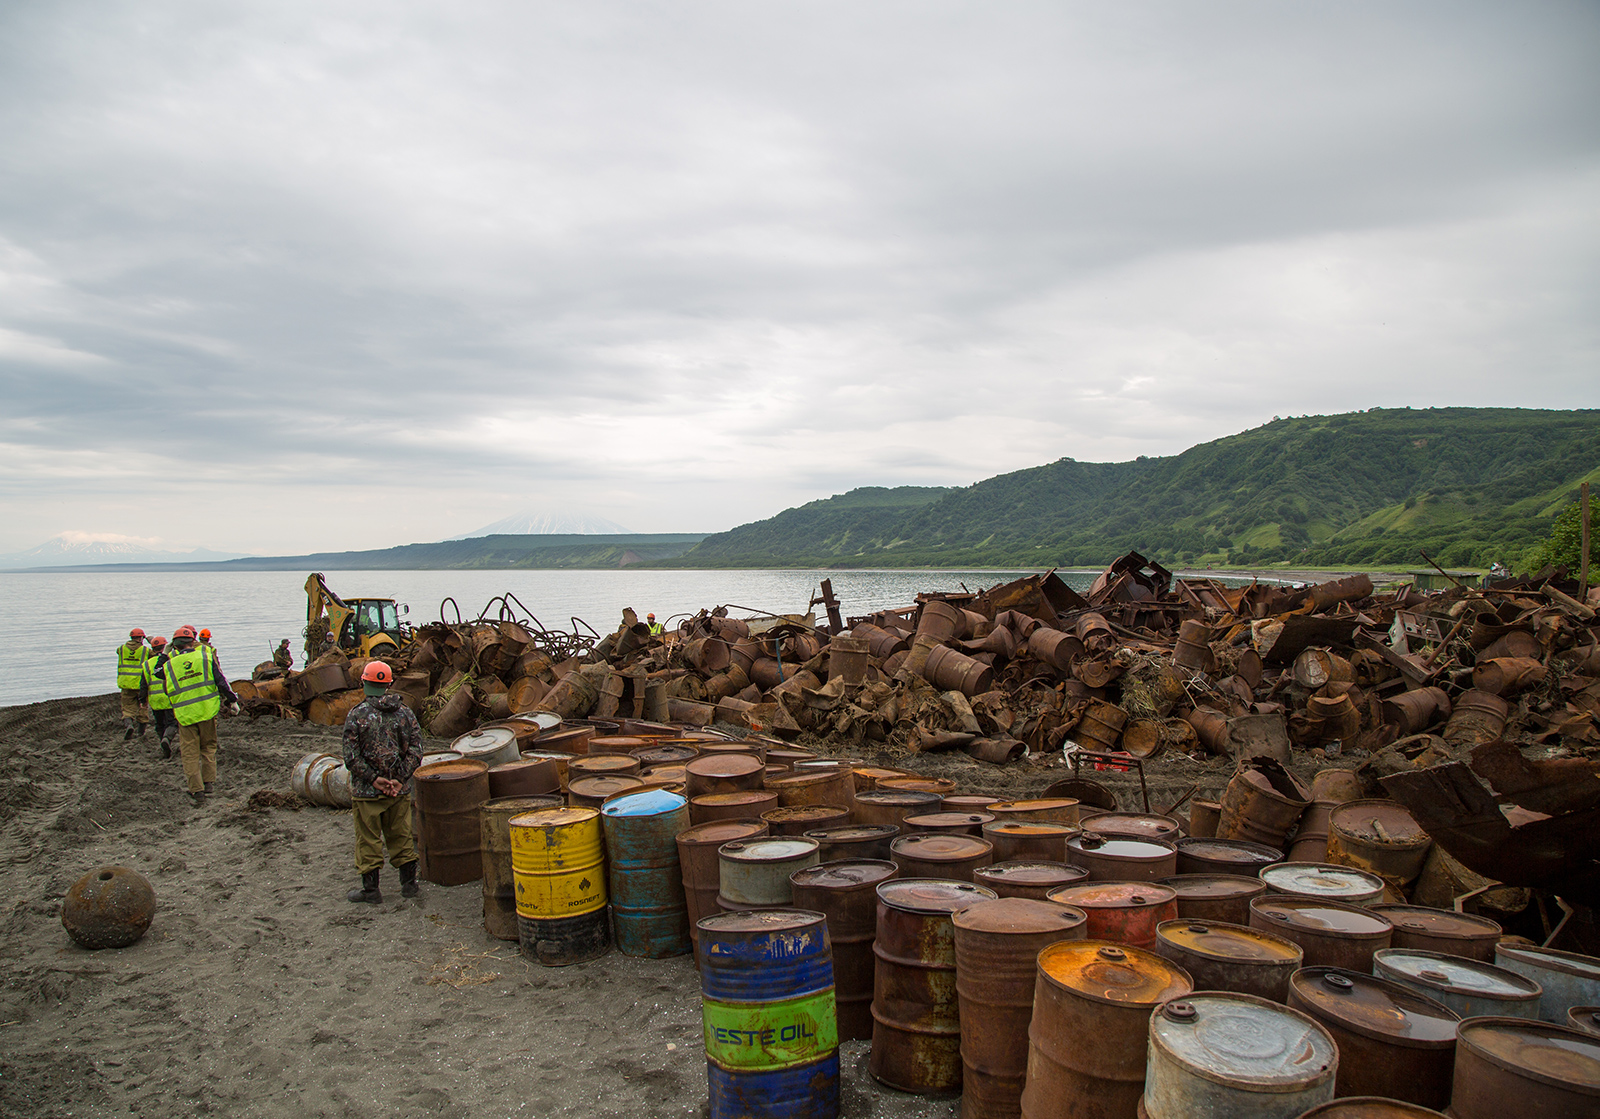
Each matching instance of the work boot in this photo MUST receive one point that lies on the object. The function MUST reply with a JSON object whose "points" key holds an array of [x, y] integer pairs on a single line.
{"points": [[408, 880], [198, 798], [369, 888], [211, 788], [127, 730], [166, 748]]}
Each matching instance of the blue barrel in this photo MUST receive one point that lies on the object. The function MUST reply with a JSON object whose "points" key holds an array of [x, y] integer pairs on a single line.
{"points": [[648, 911], [771, 1027]]}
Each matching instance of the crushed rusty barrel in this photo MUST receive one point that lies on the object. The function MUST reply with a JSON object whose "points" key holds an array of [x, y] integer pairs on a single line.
{"points": [[937, 855], [1225, 856], [950, 823], [447, 798], [1513, 1067], [745, 804], [1478, 717], [699, 866], [1025, 878], [1440, 930], [1028, 839], [524, 777], [1203, 818], [949, 670], [558, 862], [1568, 979], [767, 1006], [997, 949], [555, 760], [916, 1025], [1047, 809], [1471, 988], [1330, 934], [1392, 1041], [592, 792], [1415, 711], [723, 773], [1323, 881], [845, 893], [1121, 912], [854, 841], [1101, 724], [798, 819], [499, 883], [649, 915], [1089, 1040], [885, 807], [1262, 807], [1219, 1053], [1122, 860], [1380, 837], [1223, 957], [1216, 897], [848, 657], [754, 873], [1192, 649], [1134, 825]]}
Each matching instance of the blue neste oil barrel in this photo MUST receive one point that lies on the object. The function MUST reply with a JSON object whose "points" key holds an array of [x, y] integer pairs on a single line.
{"points": [[771, 1029], [648, 911]]}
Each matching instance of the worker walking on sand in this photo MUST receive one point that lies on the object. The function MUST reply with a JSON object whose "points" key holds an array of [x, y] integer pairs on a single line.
{"points": [[153, 693], [382, 749], [131, 655], [197, 690]]}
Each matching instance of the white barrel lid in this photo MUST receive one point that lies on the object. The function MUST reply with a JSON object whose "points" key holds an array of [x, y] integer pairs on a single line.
{"points": [[1454, 973], [1321, 880], [1235, 1037]]}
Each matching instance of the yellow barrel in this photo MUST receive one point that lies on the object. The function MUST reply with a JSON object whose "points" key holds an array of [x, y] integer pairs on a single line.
{"points": [[558, 864]]}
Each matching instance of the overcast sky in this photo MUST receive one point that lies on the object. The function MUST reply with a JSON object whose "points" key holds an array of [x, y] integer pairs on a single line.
{"points": [[286, 276]]}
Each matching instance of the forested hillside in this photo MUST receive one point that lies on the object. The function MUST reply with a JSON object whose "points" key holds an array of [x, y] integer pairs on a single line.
{"points": [[1469, 485]]}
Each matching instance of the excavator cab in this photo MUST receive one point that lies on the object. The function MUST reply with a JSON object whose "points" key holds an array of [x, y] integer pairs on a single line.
{"points": [[361, 627], [372, 624]]}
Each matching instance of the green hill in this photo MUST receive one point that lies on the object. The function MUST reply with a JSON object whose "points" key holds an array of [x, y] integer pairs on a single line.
{"points": [[1469, 485]]}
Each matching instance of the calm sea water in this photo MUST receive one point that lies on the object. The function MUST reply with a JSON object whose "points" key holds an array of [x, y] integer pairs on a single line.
{"points": [[62, 630]]}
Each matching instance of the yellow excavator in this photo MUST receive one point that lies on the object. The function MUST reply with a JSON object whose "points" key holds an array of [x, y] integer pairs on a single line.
{"points": [[360, 627]]}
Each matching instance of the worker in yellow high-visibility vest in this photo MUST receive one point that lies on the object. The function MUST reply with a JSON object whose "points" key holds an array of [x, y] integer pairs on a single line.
{"points": [[131, 655], [651, 623], [197, 690], [154, 694]]}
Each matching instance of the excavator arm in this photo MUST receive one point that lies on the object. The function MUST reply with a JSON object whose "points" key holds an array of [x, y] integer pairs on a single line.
{"points": [[321, 601]]}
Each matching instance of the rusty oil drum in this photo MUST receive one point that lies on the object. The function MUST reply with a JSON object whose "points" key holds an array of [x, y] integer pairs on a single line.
{"points": [[1134, 825], [1122, 860], [916, 1024], [1089, 1039], [1121, 912], [845, 893], [698, 863], [649, 915], [1215, 897], [1222, 957], [755, 872], [835, 787], [997, 949], [1016, 840], [937, 855], [723, 773], [1022, 878], [1330, 934], [746, 804], [890, 807], [1471, 988], [558, 861], [798, 819], [1217, 1053], [1514, 1067], [1392, 1041], [1225, 856], [1324, 881], [1049, 810], [499, 884], [447, 798], [854, 841], [1440, 930], [767, 1006], [950, 823]]}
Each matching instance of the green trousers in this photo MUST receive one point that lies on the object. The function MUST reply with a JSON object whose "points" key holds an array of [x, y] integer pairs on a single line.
{"points": [[381, 821]]}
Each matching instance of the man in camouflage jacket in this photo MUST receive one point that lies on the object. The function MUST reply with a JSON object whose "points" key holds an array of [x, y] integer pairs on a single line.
{"points": [[382, 748]]}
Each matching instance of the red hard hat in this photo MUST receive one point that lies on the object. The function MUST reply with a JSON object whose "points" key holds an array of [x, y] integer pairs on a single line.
{"points": [[158, 641], [377, 672], [183, 631], [205, 635], [136, 632], [649, 615]]}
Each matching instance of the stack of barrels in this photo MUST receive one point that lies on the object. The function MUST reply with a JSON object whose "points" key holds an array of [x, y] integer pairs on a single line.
{"points": [[1044, 959]]}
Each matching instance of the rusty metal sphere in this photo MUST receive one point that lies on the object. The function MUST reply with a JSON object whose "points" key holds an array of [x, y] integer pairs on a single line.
{"points": [[110, 907]]}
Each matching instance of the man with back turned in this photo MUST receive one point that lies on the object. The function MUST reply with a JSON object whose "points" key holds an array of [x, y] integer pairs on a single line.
{"points": [[197, 690], [382, 749]]}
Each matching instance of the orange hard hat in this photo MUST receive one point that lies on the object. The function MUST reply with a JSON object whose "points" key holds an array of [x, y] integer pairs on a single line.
{"points": [[650, 616], [182, 632], [205, 635], [158, 641], [136, 632], [377, 672]]}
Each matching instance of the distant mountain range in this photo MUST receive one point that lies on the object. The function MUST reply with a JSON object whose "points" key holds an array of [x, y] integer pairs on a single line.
{"points": [[547, 523], [76, 549]]}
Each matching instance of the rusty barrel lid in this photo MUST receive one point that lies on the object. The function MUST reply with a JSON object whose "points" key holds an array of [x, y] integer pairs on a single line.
{"points": [[1373, 1008], [931, 895], [1218, 887], [600, 786], [968, 802], [554, 817], [1379, 823], [955, 823], [1328, 918], [484, 741], [846, 874], [1021, 916], [1117, 847], [1032, 804], [1540, 1051], [1440, 923], [1215, 940], [1113, 973], [789, 755], [854, 833], [461, 769], [899, 798], [940, 847], [1029, 828], [666, 753], [1453, 975], [735, 798], [1024, 872], [914, 784], [768, 849], [801, 813], [1584, 1018], [1229, 855], [1323, 880], [724, 765], [1114, 895], [1134, 825], [1244, 1042], [1372, 1107], [718, 832]]}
